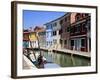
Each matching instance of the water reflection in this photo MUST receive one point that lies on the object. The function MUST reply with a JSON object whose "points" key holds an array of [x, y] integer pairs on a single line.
{"points": [[65, 60]]}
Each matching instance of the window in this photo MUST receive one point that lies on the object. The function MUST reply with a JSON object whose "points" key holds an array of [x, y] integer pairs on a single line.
{"points": [[49, 26], [77, 28], [72, 42], [51, 42], [71, 30], [77, 18], [55, 41], [84, 27], [88, 25], [86, 14], [60, 31], [68, 29], [60, 41], [54, 33], [47, 43], [47, 33], [65, 42], [61, 21], [54, 24], [83, 15], [65, 18], [83, 42]]}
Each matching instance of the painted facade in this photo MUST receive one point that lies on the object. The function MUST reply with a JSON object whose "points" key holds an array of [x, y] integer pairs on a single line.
{"points": [[25, 39], [49, 39], [33, 43], [80, 39], [53, 31], [41, 34], [65, 31], [29, 39], [70, 31], [56, 29]]}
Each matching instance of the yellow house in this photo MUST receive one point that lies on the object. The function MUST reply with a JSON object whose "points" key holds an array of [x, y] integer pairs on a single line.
{"points": [[33, 40], [32, 36]]}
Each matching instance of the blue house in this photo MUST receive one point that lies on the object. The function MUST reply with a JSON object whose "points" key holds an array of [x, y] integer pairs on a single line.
{"points": [[49, 39]]}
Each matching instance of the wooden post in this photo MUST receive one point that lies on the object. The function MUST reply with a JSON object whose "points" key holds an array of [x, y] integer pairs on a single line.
{"points": [[73, 57], [38, 43], [32, 47]]}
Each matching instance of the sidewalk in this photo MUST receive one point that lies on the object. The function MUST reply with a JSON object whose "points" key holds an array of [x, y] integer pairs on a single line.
{"points": [[27, 64], [67, 51]]}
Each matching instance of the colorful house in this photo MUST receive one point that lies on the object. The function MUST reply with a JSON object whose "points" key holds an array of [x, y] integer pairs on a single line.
{"points": [[49, 39], [26, 39], [41, 34], [29, 39], [70, 31], [56, 31], [33, 40], [65, 31], [80, 38]]}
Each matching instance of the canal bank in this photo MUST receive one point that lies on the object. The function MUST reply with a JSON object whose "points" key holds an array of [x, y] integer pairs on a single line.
{"points": [[27, 64], [71, 52], [57, 58]]}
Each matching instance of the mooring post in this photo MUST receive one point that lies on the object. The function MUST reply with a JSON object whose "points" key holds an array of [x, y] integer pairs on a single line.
{"points": [[72, 56]]}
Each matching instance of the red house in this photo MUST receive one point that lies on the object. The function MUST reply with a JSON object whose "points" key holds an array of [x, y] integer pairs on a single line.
{"points": [[80, 38], [65, 32]]}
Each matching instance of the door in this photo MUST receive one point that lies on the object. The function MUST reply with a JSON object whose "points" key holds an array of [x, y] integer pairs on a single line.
{"points": [[77, 44]]}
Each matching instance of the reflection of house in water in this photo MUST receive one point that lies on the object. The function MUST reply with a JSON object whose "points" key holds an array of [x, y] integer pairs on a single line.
{"points": [[80, 32]]}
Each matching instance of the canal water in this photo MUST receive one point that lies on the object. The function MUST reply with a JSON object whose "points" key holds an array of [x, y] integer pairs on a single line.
{"points": [[65, 60]]}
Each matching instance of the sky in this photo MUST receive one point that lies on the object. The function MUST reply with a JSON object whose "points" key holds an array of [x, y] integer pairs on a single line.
{"points": [[33, 18]]}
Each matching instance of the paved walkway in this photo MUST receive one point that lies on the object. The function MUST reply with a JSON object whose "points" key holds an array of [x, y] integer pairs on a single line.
{"points": [[27, 64], [86, 54], [67, 51]]}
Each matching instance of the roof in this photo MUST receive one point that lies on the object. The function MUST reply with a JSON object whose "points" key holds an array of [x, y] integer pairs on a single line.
{"points": [[39, 29], [56, 19]]}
